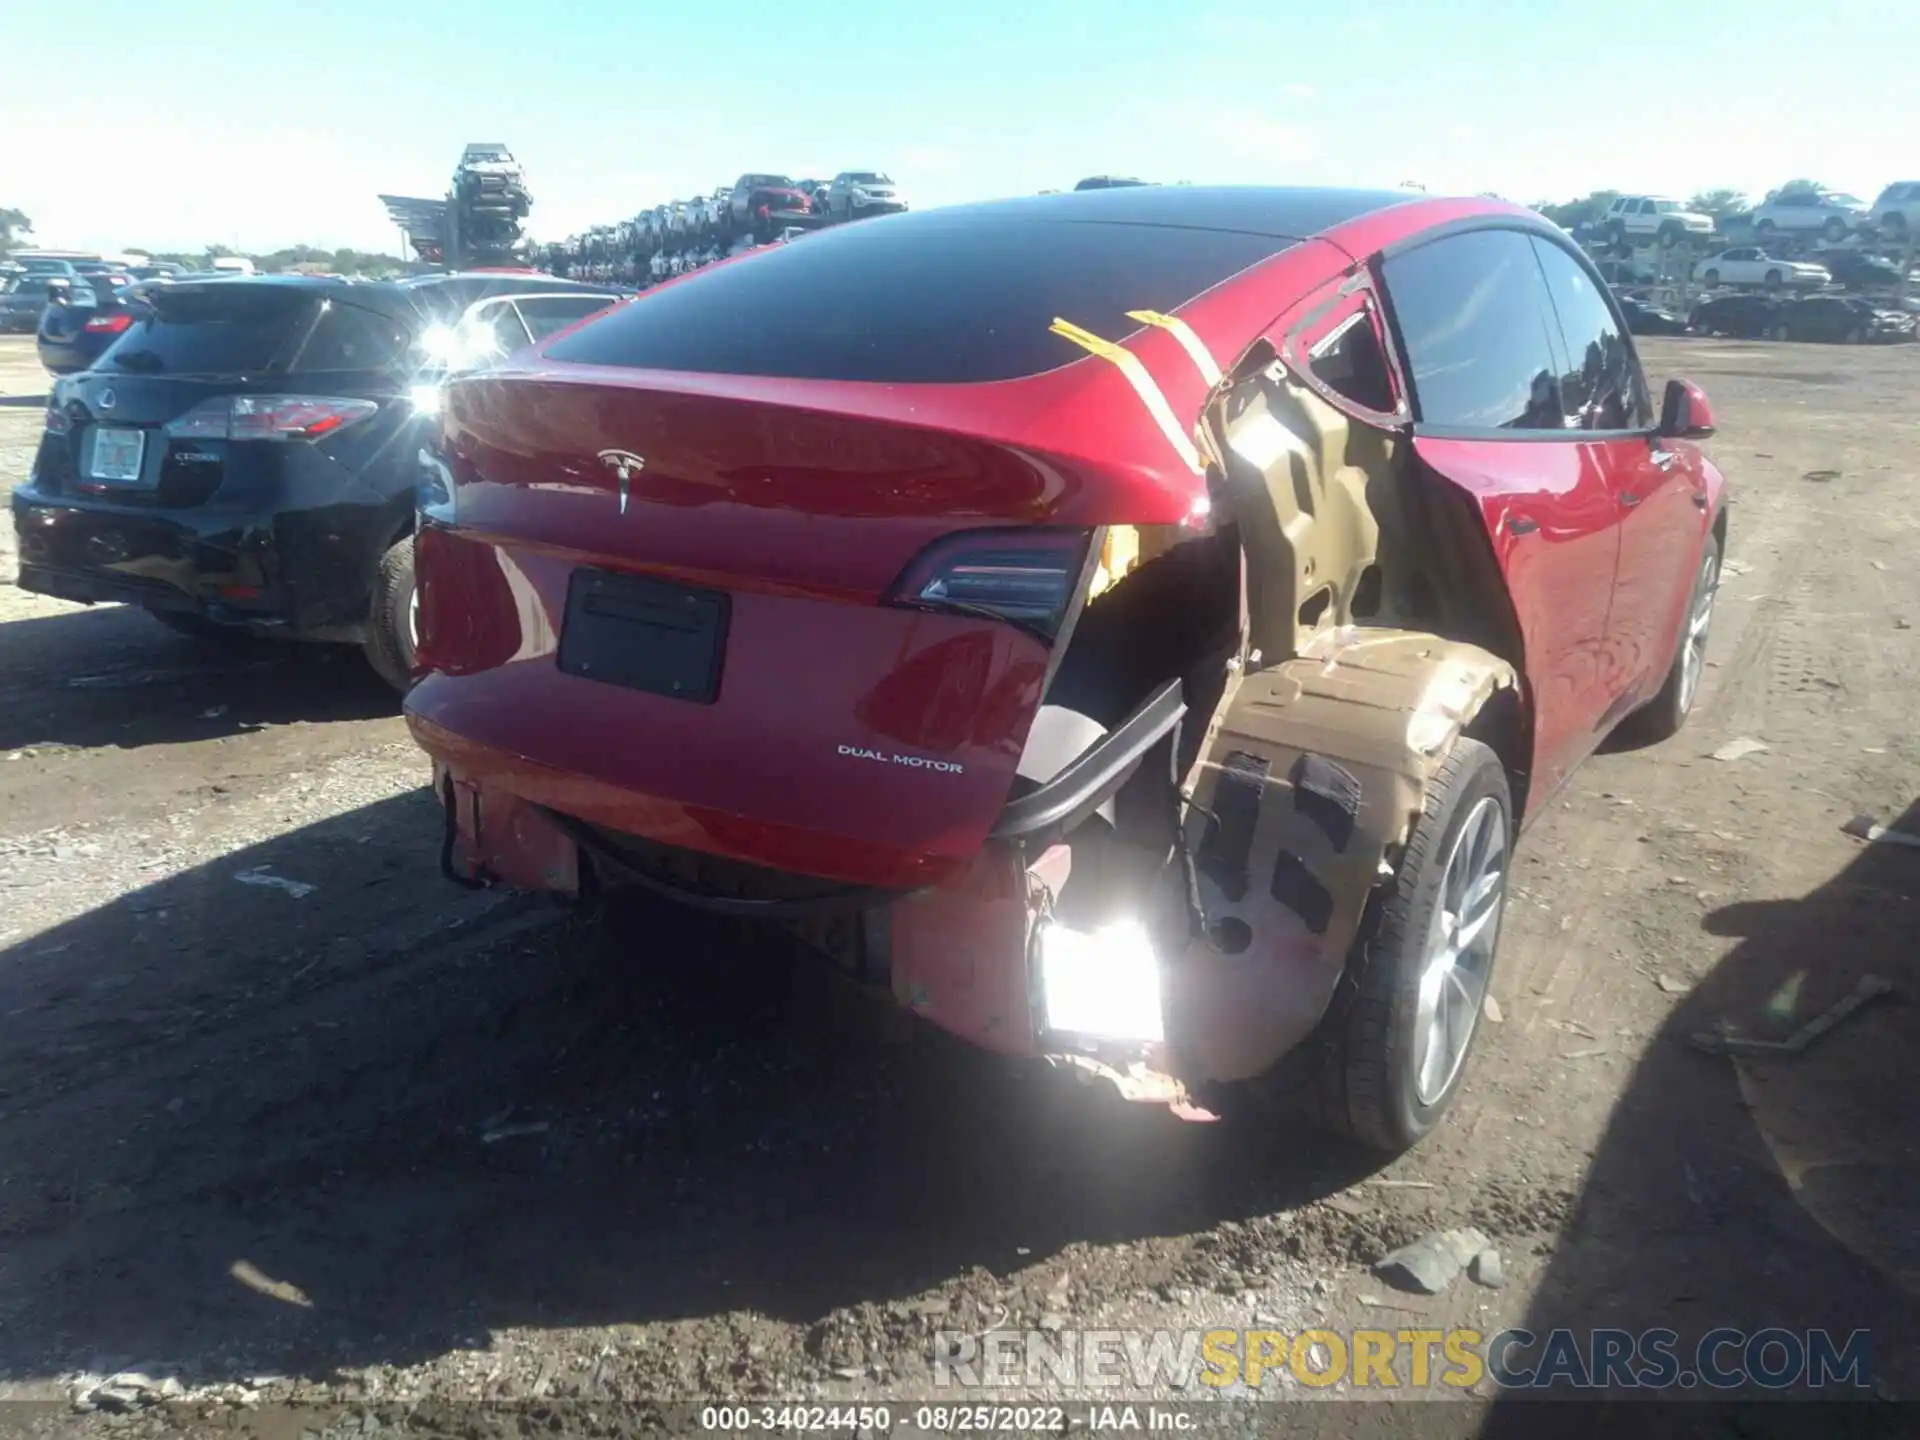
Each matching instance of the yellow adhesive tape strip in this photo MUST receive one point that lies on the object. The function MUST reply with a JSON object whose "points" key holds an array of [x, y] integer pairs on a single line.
{"points": [[1195, 347], [1143, 384]]}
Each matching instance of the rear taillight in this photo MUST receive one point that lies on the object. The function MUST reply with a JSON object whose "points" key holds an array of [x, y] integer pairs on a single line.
{"points": [[1025, 577], [270, 417], [58, 421], [109, 324]]}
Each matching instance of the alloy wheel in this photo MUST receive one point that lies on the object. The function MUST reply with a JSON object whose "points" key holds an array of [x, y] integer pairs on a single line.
{"points": [[1693, 659], [1459, 958]]}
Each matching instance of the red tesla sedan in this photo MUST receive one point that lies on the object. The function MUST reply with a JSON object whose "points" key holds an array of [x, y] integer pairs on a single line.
{"points": [[1130, 626]]}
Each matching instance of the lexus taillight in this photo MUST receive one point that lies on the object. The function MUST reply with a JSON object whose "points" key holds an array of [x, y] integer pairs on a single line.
{"points": [[109, 324], [270, 417], [1025, 577], [58, 421]]}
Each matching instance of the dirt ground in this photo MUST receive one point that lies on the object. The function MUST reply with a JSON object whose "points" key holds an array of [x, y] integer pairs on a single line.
{"points": [[381, 1141]]}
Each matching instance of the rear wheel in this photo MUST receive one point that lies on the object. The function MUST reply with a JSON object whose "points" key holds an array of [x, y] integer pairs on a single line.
{"points": [[1669, 236], [1712, 277], [1396, 1056], [1663, 716], [1835, 229], [393, 618], [1774, 279]]}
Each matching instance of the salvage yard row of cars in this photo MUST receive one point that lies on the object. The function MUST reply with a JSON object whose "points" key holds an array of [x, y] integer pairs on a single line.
{"points": [[667, 240]]}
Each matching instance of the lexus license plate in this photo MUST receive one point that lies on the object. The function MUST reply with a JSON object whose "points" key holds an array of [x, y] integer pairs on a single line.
{"points": [[117, 454]]}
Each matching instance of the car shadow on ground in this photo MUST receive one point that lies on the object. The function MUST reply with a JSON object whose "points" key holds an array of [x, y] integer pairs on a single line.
{"points": [[1777, 1191], [24, 402], [250, 1130], [111, 675]]}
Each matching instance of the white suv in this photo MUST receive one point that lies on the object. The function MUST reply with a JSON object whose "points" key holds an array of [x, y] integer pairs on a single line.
{"points": [[1896, 214], [1805, 211], [1653, 217]]}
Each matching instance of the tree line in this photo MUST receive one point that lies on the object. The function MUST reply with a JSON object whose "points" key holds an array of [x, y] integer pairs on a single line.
{"points": [[16, 233]]}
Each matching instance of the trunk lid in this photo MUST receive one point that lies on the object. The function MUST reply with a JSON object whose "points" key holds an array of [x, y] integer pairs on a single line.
{"points": [[679, 615]]}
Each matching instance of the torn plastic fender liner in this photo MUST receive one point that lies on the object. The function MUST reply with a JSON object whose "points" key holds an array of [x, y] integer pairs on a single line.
{"points": [[1331, 753], [496, 837]]}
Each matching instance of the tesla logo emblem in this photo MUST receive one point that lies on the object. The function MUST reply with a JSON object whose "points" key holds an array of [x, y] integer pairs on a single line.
{"points": [[625, 465], [108, 399]]}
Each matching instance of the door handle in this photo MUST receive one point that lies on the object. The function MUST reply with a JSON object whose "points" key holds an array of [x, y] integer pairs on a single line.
{"points": [[1629, 500]]}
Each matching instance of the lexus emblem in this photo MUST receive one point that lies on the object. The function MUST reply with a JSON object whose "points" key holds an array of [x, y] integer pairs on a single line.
{"points": [[625, 465], [108, 399]]}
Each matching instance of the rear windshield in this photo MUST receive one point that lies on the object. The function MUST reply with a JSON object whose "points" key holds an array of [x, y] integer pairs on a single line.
{"points": [[27, 285], [984, 291], [227, 329]]}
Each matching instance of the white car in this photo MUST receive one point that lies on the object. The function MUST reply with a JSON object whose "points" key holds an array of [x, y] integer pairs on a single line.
{"points": [[1750, 265], [1896, 214], [1653, 217], [1805, 211], [856, 194]]}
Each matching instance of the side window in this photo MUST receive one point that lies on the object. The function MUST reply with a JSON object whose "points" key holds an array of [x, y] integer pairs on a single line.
{"points": [[501, 323], [1350, 361], [547, 314], [1602, 389], [1474, 328], [348, 338]]}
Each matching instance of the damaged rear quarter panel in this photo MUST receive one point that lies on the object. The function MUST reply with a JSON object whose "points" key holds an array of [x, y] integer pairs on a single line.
{"points": [[1318, 761], [1350, 734]]}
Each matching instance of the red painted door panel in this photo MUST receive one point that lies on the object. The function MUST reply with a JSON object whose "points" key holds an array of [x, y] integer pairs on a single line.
{"points": [[1552, 514], [1661, 494]]}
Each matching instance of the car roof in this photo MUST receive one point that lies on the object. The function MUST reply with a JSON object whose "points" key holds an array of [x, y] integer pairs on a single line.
{"points": [[1284, 212]]}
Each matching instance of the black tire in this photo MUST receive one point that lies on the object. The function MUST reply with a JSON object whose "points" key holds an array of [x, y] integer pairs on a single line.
{"points": [[1894, 227], [1712, 277], [1663, 717], [1765, 227], [1616, 234], [1669, 236], [1774, 280], [1366, 1089], [1856, 336], [390, 634], [1834, 229]]}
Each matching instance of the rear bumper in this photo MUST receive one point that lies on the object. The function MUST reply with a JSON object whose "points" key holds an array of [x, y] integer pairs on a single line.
{"points": [[968, 953], [961, 955], [282, 574]]}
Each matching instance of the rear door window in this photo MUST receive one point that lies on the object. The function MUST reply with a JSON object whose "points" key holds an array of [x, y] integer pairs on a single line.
{"points": [[1476, 329], [223, 328], [1602, 388]]}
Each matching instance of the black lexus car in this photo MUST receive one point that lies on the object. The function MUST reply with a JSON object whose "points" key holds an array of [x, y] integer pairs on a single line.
{"points": [[244, 457]]}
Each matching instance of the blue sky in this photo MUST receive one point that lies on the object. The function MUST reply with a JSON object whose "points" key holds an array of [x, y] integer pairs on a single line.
{"points": [[255, 123]]}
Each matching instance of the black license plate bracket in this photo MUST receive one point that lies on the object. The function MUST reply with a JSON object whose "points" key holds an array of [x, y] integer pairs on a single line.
{"points": [[645, 634]]}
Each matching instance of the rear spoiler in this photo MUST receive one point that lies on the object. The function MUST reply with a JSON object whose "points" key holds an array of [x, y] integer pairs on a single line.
{"points": [[1096, 774]]}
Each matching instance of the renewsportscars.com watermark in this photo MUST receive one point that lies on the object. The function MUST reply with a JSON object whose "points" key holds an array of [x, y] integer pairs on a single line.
{"points": [[1401, 1361]]}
